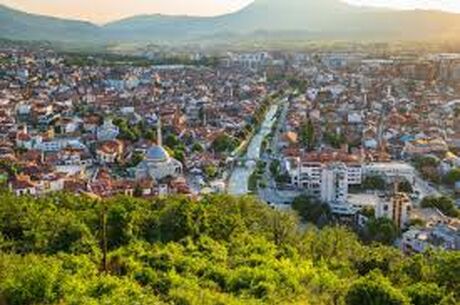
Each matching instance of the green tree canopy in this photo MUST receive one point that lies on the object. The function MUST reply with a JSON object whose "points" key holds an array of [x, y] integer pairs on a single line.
{"points": [[216, 250], [374, 290], [445, 204]]}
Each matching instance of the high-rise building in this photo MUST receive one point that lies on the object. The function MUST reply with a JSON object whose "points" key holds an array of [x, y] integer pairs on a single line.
{"points": [[334, 186]]}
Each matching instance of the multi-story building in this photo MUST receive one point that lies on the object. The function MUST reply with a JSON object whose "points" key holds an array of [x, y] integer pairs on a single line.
{"points": [[306, 172], [390, 170], [397, 209], [107, 131], [441, 236], [423, 147], [334, 183], [326, 175]]}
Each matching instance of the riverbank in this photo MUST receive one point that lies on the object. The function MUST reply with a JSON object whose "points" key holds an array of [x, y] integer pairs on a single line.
{"points": [[239, 179]]}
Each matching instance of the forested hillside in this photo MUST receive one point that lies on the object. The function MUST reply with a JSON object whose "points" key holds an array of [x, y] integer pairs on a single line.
{"points": [[220, 250]]}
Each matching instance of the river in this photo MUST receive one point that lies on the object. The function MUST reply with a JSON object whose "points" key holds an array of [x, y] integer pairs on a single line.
{"points": [[239, 179]]}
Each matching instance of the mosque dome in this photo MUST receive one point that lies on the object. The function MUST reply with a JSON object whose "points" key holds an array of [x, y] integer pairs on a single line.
{"points": [[157, 154]]}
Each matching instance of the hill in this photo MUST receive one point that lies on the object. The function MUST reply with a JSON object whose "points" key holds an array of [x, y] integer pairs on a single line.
{"points": [[219, 250], [326, 19], [18, 25]]}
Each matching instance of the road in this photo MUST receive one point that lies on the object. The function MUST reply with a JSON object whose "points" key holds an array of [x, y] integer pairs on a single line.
{"points": [[239, 179], [425, 188]]}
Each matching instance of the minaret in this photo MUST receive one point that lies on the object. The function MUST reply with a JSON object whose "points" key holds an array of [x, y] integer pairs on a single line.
{"points": [[159, 136]]}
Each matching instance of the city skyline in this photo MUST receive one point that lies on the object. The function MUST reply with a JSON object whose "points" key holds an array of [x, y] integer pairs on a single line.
{"points": [[105, 11]]}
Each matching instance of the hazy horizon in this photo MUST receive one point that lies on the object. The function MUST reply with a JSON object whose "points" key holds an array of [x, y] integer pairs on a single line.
{"points": [[106, 11]]}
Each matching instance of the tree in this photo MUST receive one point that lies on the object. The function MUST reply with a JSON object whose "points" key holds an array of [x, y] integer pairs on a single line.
{"points": [[425, 294], [224, 143], [428, 168], [307, 135], [334, 139], [127, 132], [275, 168], [149, 135], [368, 212], [136, 158], [445, 204], [374, 290], [311, 210], [211, 171], [374, 183], [171, 141], [382, 230], [29, 280], [405, 187], [218, 249], [179, 155], [452, 177], [197, 147]]}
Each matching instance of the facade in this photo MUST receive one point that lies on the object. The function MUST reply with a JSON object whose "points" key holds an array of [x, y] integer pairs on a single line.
{"points": [[397, 209], [107, 131], [390, 170], [423, 147], [110, 152], [441, 236], [307, 172], [334, 183]]}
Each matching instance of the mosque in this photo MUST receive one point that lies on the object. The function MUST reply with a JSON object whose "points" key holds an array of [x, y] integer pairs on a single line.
{"points": [[157, 163]]}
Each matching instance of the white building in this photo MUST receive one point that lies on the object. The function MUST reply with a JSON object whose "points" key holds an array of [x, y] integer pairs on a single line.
{"points": [[308, 172], [390, 170], [107, 131], [334, 183], [157, 163], [440, 236], [59, 143]]}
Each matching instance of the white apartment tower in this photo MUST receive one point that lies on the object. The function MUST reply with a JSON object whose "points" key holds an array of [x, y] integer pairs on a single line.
{"points": [[334, 183]]}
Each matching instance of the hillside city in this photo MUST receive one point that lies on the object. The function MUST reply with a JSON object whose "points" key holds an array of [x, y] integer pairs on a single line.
{"points": [[243, 152], [344, 137]]}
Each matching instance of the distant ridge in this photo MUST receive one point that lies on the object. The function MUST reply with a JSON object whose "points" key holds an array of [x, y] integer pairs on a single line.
{"points": [[315, 18], [19, 25]]}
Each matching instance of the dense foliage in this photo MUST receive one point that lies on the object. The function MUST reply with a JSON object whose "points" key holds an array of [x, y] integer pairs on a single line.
{"points": [[219, 250], [224, 143], [445, 204], [311, 210]]}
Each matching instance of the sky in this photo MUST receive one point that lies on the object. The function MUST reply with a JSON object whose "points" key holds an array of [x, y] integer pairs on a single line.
{"points": [[103, 11]]}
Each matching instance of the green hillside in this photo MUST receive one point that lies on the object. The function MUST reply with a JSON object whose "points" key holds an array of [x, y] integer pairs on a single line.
{"points": [[220, 250]]}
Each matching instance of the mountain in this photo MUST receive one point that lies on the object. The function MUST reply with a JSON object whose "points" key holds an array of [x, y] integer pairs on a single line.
{"points": [[18, 25], [325, 18], [261, 15], [306, 18]]}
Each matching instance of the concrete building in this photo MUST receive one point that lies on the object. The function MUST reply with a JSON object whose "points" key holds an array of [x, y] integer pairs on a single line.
{"points": [[440, 236], [307, 172], [397, 209], [107, 131], [390, 170], [334, 184]]}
